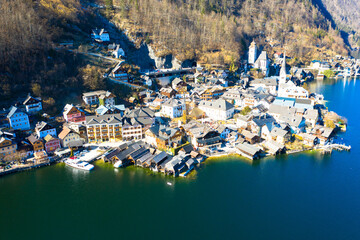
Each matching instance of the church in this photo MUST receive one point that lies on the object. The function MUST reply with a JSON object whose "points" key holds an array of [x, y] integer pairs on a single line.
{"points": [[287, 88], [261, 61]]}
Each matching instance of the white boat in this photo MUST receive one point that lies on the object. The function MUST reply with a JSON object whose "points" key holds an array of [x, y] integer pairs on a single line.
{"points": [[118, 164], [76, 163], [169, 183]]}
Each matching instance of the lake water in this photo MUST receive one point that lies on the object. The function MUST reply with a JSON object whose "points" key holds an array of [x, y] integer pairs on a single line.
{"points": [[302, 196]]}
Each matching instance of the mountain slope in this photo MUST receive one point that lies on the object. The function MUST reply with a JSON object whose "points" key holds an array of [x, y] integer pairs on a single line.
{"points": [[220, 31], [345, 15]]}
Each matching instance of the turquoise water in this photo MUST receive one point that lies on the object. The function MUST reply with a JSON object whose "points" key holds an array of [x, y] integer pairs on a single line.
{"points": [[301, 196]]}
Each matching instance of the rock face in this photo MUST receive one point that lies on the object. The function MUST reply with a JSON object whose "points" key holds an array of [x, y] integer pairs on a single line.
{"points": [[168, 61]]}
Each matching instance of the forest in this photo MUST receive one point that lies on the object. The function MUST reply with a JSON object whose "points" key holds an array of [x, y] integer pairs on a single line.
{"points": [[220, 30], [29, 59], [209, 31]]}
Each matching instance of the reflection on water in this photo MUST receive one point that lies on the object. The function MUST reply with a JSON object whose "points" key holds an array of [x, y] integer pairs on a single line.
{"points": [[77, 175]]}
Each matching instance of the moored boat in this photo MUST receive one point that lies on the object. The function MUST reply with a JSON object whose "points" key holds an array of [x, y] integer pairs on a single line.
{"points": [[76, 163], [118, 164]]}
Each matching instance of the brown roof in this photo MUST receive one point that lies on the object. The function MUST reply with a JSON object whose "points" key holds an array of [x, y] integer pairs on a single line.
{"points": [[33, 138], [64, 132]]}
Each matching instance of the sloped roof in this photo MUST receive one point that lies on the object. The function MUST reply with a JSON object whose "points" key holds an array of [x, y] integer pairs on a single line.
{"points": [[220, 104], [12, 111], [31, 98], [64, 132]]}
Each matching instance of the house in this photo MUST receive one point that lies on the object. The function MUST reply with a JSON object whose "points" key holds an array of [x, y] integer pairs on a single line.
{"points": [[296, 123], [69, 138], [104, 128], [223, 131], [302, 103], [324, 134], [309, 139], [100, 97], [269, 84], [219, 109], [120, 73], [78, 128], [51, 143], [100, 35], [174, 166], [187, 149], [36, 142], [274, 147], [289, 89], [311, 117], [208, 139], [7, 147], [257, 123], [135, 123], [42, 129], [234, 96], [32, 104], [280, 135], [168, 92], [179, 85], [173, 108], [159, 161], [166, 137], [118, 52], [284, 101], [250, 137], [249, 151], [110, 109], [18, 119], [243, 122], [196, 113], [73, 114]]}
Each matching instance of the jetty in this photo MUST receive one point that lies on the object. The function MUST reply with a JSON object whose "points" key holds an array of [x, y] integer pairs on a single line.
{"points": [[335, 146]]}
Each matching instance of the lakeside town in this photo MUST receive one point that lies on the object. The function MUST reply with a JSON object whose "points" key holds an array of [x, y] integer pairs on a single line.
{"points": [[262, 108]]}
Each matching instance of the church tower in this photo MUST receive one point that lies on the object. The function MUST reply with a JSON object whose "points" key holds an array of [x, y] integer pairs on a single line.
{"points": [[283, 71], [252, 53]]}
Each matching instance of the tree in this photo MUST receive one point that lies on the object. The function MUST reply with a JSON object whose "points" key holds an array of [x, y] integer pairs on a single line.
{"points": [[36, 89], [91, 76], [329, 73], [329, 123], [246, 110]]}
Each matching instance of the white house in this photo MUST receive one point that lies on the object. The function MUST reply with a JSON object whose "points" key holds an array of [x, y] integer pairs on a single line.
{"points": [[173, 108], [219, 109], [18, 119], [100, 35], [267, 83], [288, 88], [32, 104], [118, 52], [69, 137], [99, 97], [42, 129]]}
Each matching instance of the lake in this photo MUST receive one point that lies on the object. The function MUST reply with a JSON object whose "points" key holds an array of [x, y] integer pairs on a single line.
{"points": [[300, 196]]}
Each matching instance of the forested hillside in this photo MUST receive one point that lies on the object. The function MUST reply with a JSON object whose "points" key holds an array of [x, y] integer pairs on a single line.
{"points": [[28, 36], [346, 16], [220, 30]]}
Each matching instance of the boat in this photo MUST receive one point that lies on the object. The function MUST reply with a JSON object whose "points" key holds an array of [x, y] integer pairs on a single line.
{"points": [[118, 164], [169, 183], [76, 163]]}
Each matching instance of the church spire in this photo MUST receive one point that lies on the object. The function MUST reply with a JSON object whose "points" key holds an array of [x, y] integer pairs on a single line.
{"points": [[283, 70]]}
